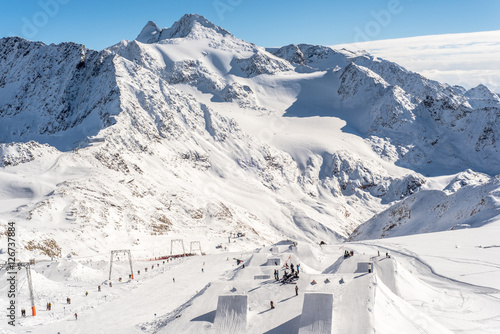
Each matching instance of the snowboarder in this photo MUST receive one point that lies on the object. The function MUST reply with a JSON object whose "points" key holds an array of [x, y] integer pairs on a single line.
{"points": [[296, 290], [76, 316], [272, 305]]}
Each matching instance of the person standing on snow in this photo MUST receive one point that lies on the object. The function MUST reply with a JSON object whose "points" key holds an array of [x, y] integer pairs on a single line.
{"points": [[296, 290], [76, 316]]}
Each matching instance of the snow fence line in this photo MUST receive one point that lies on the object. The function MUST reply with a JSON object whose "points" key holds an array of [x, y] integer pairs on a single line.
{"points": [[232, 314], [317, 313]]}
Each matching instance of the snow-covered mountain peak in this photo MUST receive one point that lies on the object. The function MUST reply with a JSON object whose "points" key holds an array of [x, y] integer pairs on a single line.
{"points": [[481, 92], [150, 33], [191, 26]]}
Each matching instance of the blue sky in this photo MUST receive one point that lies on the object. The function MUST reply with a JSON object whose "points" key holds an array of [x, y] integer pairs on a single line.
{"points": [[99, 24]]}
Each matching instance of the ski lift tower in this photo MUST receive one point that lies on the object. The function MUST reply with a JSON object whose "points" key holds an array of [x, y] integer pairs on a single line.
{"points": [[122, 251], [26, 265], [174, 241], [193, 245]]}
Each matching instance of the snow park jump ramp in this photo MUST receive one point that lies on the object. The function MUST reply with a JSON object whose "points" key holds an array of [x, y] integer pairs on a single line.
{"points": [[232, 313], [317, 313]]}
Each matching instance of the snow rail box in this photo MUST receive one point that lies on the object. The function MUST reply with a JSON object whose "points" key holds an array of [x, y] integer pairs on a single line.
{"points": [[231, 315], [262, 277], [364, 267], [317, 313], [273, 262]]}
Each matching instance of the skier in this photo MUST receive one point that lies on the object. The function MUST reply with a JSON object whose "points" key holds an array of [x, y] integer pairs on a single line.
{"points": [[98, 288], [76, 316], [173, 279], [23, 312], [272, 305], [68, 300], [202, 270], [298, 266], [86, 293], [110, 284], [296, 290]]}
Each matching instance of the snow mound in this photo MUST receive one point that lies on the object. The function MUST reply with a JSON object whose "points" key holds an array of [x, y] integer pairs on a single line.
{"points": [[317, 311], [231, 314]]}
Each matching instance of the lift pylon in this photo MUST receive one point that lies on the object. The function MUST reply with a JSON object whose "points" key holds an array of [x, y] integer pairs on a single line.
{"points": [[176, 241], [192, 247], [124, 251]]}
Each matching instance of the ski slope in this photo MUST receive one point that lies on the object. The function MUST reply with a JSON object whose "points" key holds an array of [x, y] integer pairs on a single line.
{"points": [[419, 289]]}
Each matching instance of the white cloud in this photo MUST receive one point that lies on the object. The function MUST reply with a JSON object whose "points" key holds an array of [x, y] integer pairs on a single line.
{"points": [[457, 59]]}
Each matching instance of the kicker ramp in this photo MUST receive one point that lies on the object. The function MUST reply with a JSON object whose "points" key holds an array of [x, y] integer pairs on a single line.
{"points": [[232, 313], [317, 313]]}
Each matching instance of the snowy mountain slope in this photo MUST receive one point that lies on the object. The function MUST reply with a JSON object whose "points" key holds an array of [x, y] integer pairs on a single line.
{"points": [[465, 59], [55, 94], [170, 134], [469, 200], [407, 111]]}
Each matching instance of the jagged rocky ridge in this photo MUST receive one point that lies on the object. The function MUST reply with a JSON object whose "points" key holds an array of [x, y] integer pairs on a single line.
{"points": [[158, 160]]}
